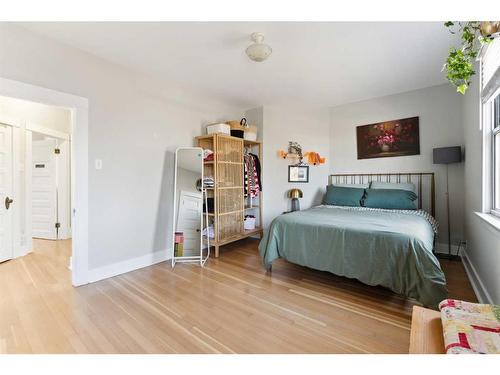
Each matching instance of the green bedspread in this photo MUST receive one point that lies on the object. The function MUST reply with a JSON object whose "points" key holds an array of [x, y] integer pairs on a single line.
{"points": [[377, 247]]}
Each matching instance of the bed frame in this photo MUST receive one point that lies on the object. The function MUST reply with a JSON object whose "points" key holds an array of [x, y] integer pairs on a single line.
{"points": [[423, 181]]}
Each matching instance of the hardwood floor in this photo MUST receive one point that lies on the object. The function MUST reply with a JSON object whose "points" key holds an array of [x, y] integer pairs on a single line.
{"points": [[230, 306]]}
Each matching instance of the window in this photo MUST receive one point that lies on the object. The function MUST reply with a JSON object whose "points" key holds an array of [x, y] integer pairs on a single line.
{"points": [[490, 123], [495, 131]]}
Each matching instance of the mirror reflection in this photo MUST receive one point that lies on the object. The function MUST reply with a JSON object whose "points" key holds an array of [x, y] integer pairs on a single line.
{"points": [[188, 202]]}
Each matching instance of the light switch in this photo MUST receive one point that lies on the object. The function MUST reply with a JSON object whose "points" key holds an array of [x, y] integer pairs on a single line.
{"points": [[98, 164]]}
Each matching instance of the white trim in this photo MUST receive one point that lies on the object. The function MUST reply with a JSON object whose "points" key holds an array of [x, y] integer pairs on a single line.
{"points": [[46, 131], [11, 121], [28, 183], [479, 289], [17, 170], [128, 265], [491, 219], [63, 189], [79, 159]]}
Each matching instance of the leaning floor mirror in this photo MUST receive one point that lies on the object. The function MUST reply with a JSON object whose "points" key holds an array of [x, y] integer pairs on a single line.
{"points": [[189, 243]]}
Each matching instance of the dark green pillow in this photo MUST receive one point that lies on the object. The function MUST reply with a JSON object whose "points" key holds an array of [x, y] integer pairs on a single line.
{"points": [[343, 196], [393, 199]]}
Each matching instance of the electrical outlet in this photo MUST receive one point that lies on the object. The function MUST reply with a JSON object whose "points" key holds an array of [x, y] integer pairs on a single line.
{"points": [[98, 164]]}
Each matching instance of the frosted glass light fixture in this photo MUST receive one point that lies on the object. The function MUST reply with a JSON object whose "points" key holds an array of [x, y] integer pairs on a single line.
{"points": [[258, 51]]}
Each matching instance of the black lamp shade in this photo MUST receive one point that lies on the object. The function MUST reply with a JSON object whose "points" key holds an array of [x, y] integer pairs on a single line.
{"points": [[447, 155]]}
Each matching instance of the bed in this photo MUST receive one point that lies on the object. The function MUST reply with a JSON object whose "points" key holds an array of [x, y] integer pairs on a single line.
{"points": [[390, 248]]}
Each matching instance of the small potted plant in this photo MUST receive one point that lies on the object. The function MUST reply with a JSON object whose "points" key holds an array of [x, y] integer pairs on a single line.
{"points": [[459, 65]]}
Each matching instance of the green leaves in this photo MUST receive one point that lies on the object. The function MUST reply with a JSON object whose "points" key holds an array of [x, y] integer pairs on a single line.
{"points": [[462, 88], [459, 64], [459, 68]]}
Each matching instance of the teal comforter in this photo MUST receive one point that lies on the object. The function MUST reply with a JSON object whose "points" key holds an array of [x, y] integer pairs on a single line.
{"points": [[391, 248]]}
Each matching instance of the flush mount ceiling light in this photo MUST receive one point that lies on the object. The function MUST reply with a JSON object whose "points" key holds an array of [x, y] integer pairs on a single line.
{"points": [[258, 51]]}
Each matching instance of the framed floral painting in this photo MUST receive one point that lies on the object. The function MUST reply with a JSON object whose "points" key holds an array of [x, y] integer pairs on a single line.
{"points": [[388, 138]]}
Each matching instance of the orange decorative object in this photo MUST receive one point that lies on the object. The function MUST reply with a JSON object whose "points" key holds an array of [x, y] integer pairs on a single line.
{"points": [[314, 158], [282, 154]]}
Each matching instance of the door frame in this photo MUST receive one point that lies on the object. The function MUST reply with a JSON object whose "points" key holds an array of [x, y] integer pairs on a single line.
{"points": [[79, 164]]}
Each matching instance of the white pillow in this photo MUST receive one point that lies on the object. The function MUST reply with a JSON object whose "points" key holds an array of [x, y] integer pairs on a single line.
{"points": [[360, 186], [393, 185]]}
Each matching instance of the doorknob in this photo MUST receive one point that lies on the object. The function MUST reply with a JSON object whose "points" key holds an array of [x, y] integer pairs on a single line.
{"points": [[8, 202]]}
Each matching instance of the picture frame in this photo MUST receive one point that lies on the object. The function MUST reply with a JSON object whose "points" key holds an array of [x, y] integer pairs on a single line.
{"points": [[388, 139], [298, 173]]}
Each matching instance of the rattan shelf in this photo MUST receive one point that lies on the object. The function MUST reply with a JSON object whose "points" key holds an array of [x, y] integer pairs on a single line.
{"points": [[227, 169]]}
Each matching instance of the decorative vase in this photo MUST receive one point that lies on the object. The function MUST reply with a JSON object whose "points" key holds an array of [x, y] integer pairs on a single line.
{"points": [[385, 147]]}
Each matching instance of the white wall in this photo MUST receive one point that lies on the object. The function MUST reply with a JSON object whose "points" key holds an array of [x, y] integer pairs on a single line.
{"points": [[483, 241], [135, 124], [309, 127], [440, 123], [51, 117]]}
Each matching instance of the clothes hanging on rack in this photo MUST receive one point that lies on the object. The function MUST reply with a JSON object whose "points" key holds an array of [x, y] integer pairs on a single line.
{"points": [[257, 167], [252, 175]]}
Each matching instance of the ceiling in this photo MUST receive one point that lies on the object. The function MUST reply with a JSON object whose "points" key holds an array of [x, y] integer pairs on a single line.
{"points": [[313, 63]]}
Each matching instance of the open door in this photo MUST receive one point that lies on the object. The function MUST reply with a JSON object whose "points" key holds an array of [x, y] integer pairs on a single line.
{"points": [[44, 196], [6, 201], [188, 221]]}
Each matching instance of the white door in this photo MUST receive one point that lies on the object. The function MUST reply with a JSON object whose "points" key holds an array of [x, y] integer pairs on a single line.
{"points": [[6, 247], [44, 195], [189, 221]]}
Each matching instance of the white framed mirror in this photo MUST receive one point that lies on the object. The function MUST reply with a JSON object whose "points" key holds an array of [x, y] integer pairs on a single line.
{"points": [[188, 243]]}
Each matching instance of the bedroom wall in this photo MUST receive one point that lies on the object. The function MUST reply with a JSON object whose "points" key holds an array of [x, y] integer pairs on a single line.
{"points": [[48, 116], [135, 124], [309, 127], [440, 123], [483, 240]]}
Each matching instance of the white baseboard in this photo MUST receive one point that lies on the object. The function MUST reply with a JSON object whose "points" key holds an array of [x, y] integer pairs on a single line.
{"points": [[481, 292], [128, 265]]}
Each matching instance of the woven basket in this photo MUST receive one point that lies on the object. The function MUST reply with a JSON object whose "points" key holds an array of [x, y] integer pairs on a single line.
{"points": [[235, 125]]}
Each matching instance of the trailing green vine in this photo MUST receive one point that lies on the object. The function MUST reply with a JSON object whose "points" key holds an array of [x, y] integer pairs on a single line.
{"points": [[459, 64]]}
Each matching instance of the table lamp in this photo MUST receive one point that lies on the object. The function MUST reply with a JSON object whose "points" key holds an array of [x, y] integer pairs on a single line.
{"points": [[295, 194]]}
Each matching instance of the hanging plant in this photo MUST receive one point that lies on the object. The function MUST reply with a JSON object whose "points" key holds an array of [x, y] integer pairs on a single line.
{"points": [[459, 64]]}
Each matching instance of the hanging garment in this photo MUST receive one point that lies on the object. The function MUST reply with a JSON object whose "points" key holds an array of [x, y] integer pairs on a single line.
{"points": [[251, 176], [257, 168]]}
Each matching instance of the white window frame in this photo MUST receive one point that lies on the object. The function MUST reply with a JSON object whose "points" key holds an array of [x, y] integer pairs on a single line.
{"points": [[494, 132], [489, 91]]}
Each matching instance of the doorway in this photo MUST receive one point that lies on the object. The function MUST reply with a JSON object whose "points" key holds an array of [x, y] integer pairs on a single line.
{"points": [[78, 107], [35, 176], [50, 187]]}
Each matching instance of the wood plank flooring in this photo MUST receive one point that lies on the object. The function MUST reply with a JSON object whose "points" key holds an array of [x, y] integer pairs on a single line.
{"points": [[230, 306]]}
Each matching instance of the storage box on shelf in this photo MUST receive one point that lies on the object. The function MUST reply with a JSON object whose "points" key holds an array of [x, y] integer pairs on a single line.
{"points": [[229, 203], [218, 128]]}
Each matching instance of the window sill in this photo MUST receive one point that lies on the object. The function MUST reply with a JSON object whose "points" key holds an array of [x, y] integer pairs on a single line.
{"points": [[492, 220]]}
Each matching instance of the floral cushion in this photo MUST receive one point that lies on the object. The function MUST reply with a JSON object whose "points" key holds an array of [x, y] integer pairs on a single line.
{"points": [[470, 327]]}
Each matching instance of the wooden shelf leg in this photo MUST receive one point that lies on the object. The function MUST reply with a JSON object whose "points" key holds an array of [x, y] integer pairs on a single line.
{"points": [[216, 251]]}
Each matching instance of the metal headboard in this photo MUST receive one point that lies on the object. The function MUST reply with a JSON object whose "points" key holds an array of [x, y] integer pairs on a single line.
{"points": [[424, 183]]}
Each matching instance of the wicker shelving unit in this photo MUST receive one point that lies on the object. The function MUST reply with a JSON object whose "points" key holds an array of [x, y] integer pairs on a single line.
{"points": [[230, 205]]}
